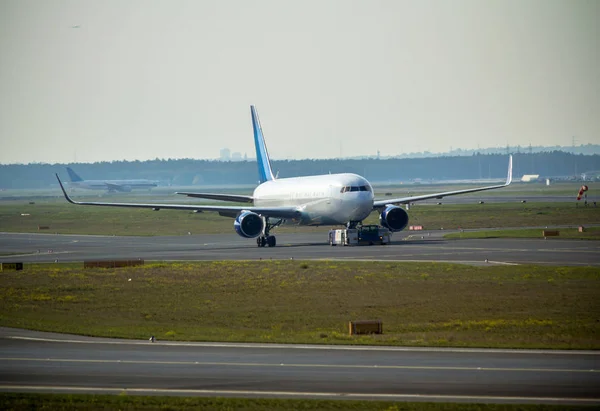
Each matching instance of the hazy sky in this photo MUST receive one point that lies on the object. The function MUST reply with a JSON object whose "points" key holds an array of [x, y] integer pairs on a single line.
{"points": [[115, 79]]}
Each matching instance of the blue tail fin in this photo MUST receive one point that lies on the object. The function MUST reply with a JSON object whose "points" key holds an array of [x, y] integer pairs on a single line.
{"points": [[262, 155], [73, 175]]}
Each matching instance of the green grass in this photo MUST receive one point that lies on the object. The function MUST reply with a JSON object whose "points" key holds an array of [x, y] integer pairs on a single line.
{"points": [[66, 402], [64, 218], [424, 304], [590, 233], [493, 215]]}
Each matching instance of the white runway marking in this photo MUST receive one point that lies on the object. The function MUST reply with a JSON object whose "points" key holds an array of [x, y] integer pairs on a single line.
{"points": [[42, 253], [501, 263], [55, 234], [313, 347], [466, 262], [337, 395], [293, 365]]}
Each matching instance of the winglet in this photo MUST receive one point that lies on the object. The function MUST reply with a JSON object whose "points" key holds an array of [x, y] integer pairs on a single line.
{"points": [[509, 176], [265, 173], [65, 191]]}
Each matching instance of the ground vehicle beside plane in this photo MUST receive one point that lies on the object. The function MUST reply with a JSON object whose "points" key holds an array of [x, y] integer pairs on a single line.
{"points": [[362, 235]]}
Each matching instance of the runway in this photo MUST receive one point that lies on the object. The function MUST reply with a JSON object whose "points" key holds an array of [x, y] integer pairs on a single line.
{"points": [[44, 362], [418, 246]]}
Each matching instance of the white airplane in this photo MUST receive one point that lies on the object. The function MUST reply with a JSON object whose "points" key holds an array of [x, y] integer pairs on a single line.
{"points": [[109, 185], [330, 199]]}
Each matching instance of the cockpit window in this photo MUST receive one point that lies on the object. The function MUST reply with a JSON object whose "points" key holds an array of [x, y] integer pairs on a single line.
{"points": [[354, 188]]}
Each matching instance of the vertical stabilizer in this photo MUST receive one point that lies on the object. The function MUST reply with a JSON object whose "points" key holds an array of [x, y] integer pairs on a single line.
{"points": [[509, 176], [262, 155], [73, 175]]}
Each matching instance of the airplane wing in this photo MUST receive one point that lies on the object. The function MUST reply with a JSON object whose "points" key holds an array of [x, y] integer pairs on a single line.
{"points": [[405, 200], [227, 211], [222, 197]]}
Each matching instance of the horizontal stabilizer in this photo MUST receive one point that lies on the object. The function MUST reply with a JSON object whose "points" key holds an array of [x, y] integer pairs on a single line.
{"points": [[221, 197]]}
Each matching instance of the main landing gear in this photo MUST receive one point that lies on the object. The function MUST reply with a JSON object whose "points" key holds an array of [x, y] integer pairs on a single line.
{"points": [[265, 239], [268, 240]]}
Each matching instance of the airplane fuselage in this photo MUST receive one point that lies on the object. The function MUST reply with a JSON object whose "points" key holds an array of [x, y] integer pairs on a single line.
{"points": [[113, 185], [322, 200]]}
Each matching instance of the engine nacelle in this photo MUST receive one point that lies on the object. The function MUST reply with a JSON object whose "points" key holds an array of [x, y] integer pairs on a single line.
{"points": [[120, 189], [248, 224], [394, 218]]}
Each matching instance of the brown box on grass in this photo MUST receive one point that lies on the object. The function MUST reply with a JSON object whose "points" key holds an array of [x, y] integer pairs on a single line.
{"points": [[366, 327], [112, 263]]}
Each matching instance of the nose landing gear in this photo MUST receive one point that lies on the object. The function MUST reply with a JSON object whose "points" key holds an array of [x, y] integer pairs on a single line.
{"points": [[352, 224]]}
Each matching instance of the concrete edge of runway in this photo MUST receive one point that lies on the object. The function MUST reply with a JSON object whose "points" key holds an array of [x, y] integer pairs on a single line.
{"points": [[13, 333], [299, 394]]}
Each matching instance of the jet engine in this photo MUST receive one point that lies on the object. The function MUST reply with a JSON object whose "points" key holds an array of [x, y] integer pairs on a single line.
{"points": [[248, 224], [394, 218], [117, 188]]}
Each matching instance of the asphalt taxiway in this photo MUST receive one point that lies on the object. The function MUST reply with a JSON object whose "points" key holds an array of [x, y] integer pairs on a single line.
{"points": [[406, 246], [44, 362]]}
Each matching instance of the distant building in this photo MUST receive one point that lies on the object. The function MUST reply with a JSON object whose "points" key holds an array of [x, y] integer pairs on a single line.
{"points": [[529, 178], [236, 156], [225, 154]]}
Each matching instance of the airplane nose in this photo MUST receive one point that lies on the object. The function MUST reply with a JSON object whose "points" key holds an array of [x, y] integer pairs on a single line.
{"points": [[362, 207]]}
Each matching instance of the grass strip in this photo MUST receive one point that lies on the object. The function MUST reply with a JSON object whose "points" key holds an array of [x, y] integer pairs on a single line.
{"points": [[64, 402], [590, 233], [420, 304], [64, 218]]}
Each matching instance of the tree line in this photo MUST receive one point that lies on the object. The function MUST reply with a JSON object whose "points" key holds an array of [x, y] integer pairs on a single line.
{"points": [[182, 172]]}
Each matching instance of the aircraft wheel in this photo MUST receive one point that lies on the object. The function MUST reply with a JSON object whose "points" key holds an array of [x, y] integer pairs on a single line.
{"points": [[271, 242], [261, 241]]}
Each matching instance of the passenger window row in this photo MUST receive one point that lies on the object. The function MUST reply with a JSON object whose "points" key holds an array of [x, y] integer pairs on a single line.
{"points": [[354, 188]]}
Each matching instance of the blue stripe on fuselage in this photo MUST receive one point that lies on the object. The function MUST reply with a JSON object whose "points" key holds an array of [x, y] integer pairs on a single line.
{"points": [[262, 156]]}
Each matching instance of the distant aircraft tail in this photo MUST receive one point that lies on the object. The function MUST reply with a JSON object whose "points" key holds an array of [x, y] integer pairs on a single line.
{"points": [[509, 175], [73, 175], [265, 173]]}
